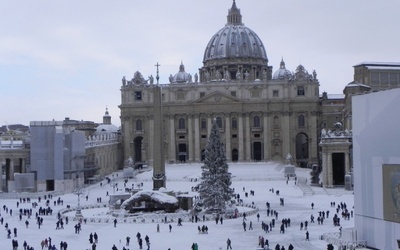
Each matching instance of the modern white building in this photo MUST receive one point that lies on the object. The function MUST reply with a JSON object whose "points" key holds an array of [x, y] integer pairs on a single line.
{"points": [[376, 153]]}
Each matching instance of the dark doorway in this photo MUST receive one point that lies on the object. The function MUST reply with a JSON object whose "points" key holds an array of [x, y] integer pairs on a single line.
{"points": [[302, 149], [338, 168], [182, 153], [138, 149], [257, 151], [50, 185], [235, 155]]}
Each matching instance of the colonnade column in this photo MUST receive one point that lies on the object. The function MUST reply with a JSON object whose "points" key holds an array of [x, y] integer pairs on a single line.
{"points": [[346, 162], [172, 146], [329, 170], [23, 167], [196, 139], [240, 136], [11, 169], [248, 138], [228, 138], [190, 138], [1, 175]]}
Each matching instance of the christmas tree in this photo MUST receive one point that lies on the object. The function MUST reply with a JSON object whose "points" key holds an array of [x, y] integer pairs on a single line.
{"points": [[214, 188]]}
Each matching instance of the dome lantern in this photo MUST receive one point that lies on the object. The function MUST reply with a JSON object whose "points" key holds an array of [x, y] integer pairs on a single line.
{"points": [[234, 16]]}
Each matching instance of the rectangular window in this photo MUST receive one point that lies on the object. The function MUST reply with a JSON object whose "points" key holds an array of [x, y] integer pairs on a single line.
{"points": [[255, 93], [233, 93], [384, 78], [234, 136], [275, 93], [202, 94], [374, 78], [300, 91], [203, 136], [180, 96], [138, 95]]}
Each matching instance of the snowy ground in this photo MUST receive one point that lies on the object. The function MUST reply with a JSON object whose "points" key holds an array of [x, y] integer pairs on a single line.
{"points": [[260, 177]]}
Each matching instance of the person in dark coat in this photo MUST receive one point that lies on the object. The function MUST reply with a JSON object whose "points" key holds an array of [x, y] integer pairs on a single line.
{"points": [[228, 244]]}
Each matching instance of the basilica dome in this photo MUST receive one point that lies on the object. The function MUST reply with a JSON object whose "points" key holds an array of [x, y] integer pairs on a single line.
{"points": [[235, 48], [181, 76], [234, 40], [282, 72]]}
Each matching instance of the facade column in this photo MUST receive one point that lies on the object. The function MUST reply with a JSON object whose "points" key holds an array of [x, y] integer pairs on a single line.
{"points": [[267, 144], [209, 124], [286, 134], [190, 138], [313, 138], [196, 139], [228, 149], [128, 142], [148, 144], [240, 137], [248, 138], [172, 143]]}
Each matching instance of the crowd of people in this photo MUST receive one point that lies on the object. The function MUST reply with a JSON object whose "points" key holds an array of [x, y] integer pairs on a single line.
{"points": [[41, 208]]}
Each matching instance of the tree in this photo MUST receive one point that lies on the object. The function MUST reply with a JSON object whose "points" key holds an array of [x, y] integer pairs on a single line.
{"points": [[214, 188]]}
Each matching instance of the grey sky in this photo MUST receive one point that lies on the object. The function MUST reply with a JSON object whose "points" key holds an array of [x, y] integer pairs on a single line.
{"points": [[66, 58]]}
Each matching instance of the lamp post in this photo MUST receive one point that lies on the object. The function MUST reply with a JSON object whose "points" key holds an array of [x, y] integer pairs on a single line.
{"points": [[78, 213], [79, 192]]}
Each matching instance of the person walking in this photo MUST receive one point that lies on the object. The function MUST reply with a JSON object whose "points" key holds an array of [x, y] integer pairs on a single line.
{"points": [[307, 236], [228, 244]]}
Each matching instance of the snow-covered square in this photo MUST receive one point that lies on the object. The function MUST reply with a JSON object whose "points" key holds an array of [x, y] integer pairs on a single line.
{"points": [[258, 178]]}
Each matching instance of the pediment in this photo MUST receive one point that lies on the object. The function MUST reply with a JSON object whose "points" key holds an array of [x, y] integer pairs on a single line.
{"points": [[217, 97]]}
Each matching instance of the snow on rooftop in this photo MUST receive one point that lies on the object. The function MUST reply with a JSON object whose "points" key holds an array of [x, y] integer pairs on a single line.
{"points": [[157, 196], [395, 64], [397, 67]]}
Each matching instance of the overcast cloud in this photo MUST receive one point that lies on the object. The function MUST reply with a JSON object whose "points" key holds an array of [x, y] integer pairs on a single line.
{"points": [[66, 58]]}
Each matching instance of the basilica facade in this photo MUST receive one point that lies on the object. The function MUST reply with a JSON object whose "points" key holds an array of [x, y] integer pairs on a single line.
{"points": [[262, 114]]}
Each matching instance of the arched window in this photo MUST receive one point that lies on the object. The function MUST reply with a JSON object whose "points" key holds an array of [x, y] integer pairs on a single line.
{"points": [[139, 124], [301, 121], [181, 123], [203, 123], [219, 122], [256, 121], [300, 90], [234, 123]]}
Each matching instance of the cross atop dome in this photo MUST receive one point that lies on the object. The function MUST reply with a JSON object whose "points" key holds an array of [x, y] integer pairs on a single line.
{"points": [[234, 16]]}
